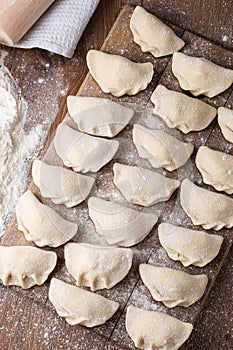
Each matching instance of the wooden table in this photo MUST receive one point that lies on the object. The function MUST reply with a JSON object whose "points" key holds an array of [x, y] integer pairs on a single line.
{"points": [[23, 325]]}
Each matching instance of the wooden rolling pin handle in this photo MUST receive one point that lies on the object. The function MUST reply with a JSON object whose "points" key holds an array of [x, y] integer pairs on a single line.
{"points": [[18, 16]]}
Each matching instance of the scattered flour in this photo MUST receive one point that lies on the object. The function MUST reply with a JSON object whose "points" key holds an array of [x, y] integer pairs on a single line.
{"points": [[16, 146]]}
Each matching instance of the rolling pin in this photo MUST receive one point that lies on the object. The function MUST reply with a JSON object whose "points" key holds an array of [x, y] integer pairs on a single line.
{"points": [[18, 16]]}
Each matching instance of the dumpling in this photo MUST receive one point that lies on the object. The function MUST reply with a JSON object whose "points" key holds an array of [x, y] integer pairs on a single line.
{"points": [[155, 330], [41, 224], [152, 35], [142, 186], [83, 152], [190, 247], [120, 225], [79, 306], [117, 74], [160, 148], [180, 111], [206, 208], [216, 168], [98, 116], [173, 287], [225, 121], [200, 76], [25, 266], [95, 266], [61, 185]]}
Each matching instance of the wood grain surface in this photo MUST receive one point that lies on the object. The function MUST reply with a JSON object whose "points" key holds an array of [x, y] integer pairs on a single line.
{"points": [[24, 323]]}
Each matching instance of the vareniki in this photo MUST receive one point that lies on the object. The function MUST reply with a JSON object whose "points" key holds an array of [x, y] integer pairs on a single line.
{"points": [[79, 306], [153, 329], [61, 185], [25, 266], [173, 287], [153, 35], [120, 225], [200, 76], [142, 186], [95, 266], [225, 121], [216, 168], [180, 111], [98, 116], [190, 247], [83, 152], [206, 208], [41, 224], [160, 148], [118, 75]]}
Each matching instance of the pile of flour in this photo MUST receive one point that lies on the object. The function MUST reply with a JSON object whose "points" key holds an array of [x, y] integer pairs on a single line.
{"points": [[16, 147]]}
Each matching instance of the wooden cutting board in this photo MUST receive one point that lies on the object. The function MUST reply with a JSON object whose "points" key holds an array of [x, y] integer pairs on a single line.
{"points": [[112, 335]]}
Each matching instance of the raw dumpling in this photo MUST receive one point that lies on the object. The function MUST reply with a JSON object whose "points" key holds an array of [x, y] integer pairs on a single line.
{"points": [[180, 111], [25, 266], [173, 287], [200, 76], [225, 121], [206, 208], [120, 225], [160, 148], [156, 330], [118, 75], [142, 186], [83, 152], [98, 116], [216, 168], [79, 306], [95, 266], [152, 35], [41, 224], [190, 247], [61, 185]]}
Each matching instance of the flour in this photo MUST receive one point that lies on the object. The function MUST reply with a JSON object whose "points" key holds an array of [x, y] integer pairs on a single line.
{"points": [[16, 147]]}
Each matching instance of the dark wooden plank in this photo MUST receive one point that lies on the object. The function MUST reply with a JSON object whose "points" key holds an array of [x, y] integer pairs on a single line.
{"points": [[39, 330], [143, 97], [211, 19], [213, 329]]}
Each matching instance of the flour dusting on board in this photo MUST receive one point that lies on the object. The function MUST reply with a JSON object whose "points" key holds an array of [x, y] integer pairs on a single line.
{"points": [[16, 146]]}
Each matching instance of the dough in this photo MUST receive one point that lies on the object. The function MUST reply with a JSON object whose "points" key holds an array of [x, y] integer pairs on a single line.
{"points": [[156, 330], [98, 116], [83, 152], [152, 35], [120, 225], [95, 266], [200, 76], [225, 121], [25, 266], [160, 148], [180, 111], [79, 306], [190, 247], [142, 186], [216, 168], [206, 208], [41, 224], [61, 185], [118, 75], [173, 287]]}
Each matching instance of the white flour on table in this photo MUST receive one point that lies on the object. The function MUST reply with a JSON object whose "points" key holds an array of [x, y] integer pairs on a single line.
{"points": [[16, 147]]}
